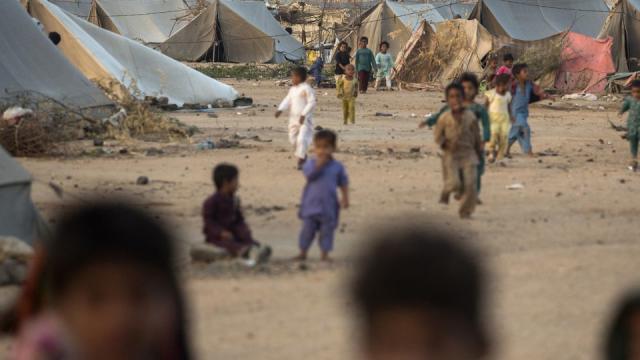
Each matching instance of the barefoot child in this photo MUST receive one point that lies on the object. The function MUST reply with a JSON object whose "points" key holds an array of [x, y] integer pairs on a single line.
{"points": [[499, 105], [224, 224], [384, 62], [420, 294], [365, 64], [103, 286], [632, 105], [470, 84], [320, 209], [458, 135], [347, 87], [523, 93], [300, 101]]}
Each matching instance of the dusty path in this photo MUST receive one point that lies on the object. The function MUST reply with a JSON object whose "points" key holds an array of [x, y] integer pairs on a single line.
{"points": [[561, 249]]}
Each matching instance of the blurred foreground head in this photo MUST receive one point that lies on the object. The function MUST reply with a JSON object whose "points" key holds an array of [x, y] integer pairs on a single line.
{"points": [[623, 338], [108, 277], [420, 294]]}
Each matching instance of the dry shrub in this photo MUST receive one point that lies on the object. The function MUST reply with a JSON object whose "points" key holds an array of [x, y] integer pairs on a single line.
{"points": [[51, 122], [544, 58], [141, 121], [432, 55]]}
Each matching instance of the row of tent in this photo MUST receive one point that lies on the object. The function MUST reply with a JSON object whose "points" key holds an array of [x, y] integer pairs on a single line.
{"points": [[596, 41], [90, 66], [226, 30]]}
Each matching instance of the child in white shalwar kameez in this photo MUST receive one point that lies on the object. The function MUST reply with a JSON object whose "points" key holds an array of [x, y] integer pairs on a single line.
{"points": [[300, 101]]}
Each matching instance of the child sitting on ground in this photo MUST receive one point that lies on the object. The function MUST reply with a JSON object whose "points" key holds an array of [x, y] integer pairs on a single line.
{"points": [[457, 133], [320, 209], [384, 62], [499, 105], [103, 286], [224, 224], [300, 101], [632, 105], [347, 87], [420, 294], [523, 92]]}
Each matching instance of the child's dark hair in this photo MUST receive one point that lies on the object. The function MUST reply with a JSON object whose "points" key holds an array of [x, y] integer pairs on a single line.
{"points": [[364, 38], [115, 233], [503, 79], [342, 43], [328, 136], [618, 335], [635, 84], [507, 57], [422, 268], [300, 72], [517, 68], [223, 173], [471, 78], [383, 43], [455, 85]]}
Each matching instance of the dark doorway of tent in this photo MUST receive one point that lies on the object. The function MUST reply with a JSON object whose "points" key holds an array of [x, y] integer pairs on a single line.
{"points": [[216, 53]]}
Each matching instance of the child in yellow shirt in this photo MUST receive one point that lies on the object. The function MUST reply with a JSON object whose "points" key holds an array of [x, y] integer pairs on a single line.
{"points": [[499, 105], [347, 87]]}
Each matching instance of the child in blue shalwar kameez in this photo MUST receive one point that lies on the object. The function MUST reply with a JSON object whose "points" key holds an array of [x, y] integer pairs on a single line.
{"points": [[320, 207]]}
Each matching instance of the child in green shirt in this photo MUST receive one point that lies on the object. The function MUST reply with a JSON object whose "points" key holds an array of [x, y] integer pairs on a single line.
{"points": [[365, 64], [384, 62], [632, 105]]}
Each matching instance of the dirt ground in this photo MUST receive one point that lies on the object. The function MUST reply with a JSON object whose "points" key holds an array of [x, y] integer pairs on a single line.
{"points": [[561, 250]]}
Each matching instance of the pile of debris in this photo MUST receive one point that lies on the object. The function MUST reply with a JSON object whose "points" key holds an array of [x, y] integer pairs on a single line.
{"points": [[35, 126]]}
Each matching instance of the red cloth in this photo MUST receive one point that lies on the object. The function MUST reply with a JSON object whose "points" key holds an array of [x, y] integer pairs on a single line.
{"points": [[586, 63], [222, 213], [503, 70]]}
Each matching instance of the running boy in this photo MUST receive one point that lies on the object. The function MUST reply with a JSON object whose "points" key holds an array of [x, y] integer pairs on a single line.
{"points": [[523, 93], [384, 62], [224, 224], [632, 105], [420, 294], [470, 84], [365, 64], [458, 135], [499, 105], [347, 87], [300, 101], [320, 209]]}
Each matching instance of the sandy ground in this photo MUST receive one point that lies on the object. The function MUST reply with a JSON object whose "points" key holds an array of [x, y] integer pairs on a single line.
{"points": [[560, 250]]}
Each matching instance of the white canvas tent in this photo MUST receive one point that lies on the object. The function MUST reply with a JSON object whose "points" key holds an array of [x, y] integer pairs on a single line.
{"points": [[243, 30], [530, 20], [119, 63], [18, 216], [394, 22], [249, 31], [79, 8], [29, 62]]}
